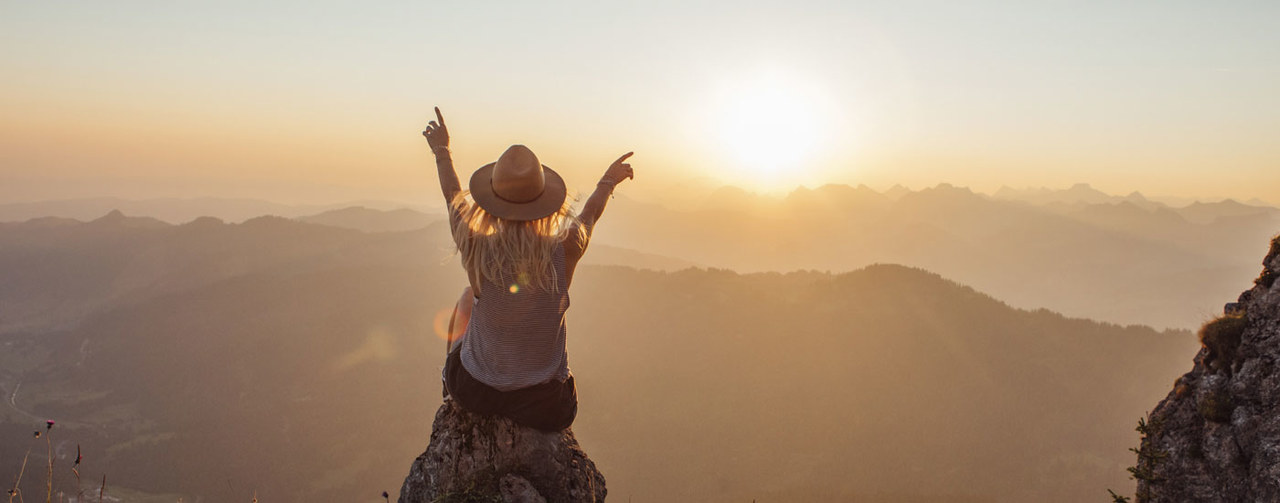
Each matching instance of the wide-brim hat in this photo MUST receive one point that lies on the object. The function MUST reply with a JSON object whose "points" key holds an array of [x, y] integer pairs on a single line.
{"points": [[517, 186]]}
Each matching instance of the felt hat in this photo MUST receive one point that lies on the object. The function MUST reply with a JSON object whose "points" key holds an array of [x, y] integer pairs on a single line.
{"points": [[517, 186]]}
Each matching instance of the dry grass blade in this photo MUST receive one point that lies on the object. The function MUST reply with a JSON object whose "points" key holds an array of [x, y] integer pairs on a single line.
{"points": [[15, 492], [48, 495]]}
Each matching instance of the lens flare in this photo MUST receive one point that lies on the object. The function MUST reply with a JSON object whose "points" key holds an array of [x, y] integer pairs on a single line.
{"points": [[514, 288], [440, 324]]}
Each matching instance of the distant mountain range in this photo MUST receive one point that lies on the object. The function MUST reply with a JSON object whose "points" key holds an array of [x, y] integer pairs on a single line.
{"points": [[1083, 193], [57, 270], [371, 220], [180, 210], [1122, 262], [1122, 259], [212, 361]]}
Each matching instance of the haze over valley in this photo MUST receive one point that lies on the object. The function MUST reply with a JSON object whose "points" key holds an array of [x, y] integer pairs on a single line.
{"points": [[168, 351]]}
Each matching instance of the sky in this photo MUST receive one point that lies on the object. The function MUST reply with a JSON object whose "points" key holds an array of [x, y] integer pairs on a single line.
{"points": [[323, 101]]}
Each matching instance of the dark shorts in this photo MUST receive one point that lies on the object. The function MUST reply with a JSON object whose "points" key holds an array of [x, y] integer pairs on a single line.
{"points": [[550, 406]]}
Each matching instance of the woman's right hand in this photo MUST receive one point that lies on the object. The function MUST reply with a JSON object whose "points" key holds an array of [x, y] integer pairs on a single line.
{"points": [[618, 171], [436, 133]]}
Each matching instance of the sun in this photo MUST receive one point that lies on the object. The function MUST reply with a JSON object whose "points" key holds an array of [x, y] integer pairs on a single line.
{"points": [[770, 124]]}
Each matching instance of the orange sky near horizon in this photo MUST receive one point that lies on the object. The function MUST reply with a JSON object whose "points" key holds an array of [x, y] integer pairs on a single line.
{"points": [[322, 102]]}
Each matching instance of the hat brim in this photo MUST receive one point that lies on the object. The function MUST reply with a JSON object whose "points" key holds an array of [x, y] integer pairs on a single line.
{"points": [[550, 201]]}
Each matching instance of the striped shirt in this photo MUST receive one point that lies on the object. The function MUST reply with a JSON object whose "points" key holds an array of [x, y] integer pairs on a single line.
{"points": [[516, 337]]}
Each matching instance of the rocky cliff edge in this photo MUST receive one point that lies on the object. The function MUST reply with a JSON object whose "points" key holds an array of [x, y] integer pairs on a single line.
{"points": [[475, 458], [1216, 436]]}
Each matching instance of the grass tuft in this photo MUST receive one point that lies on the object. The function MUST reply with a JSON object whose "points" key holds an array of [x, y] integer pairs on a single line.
{"points": [[1268, 276], [1216, 406], [1222, 338]]}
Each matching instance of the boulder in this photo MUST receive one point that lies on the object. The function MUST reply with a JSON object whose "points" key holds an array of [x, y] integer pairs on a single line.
{"points": [[477, 458]]}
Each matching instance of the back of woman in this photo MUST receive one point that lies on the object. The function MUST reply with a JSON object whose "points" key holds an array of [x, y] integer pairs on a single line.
{"points": [[520, 243], [516, 336]]}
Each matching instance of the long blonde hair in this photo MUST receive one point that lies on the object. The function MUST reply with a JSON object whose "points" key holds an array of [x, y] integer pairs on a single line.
{"points": [[512, 252]]}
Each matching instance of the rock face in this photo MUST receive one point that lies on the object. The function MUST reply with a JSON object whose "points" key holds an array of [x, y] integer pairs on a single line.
{"points": [[475, 458], [1216, 436]]}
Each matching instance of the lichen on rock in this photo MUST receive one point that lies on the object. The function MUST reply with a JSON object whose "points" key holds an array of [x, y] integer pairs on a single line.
{"points": [[477, 458]]}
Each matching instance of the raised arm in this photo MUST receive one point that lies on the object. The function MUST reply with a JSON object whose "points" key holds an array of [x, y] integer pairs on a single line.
{"points": [[594, 207], [437, 136]]}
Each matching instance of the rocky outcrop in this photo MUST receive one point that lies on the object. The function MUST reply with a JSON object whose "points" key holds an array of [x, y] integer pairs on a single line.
{"points": [[1216, 436], [475, 458]]}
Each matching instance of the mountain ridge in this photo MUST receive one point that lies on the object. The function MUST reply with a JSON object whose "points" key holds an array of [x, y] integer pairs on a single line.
{"points": [[1111, 261]]}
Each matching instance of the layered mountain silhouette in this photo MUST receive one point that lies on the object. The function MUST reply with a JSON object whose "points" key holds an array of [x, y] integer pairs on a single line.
{"points": [[1114, 261], [300, 362], [1083, 193], [371, 220], [181, 210], [1121, 259]]}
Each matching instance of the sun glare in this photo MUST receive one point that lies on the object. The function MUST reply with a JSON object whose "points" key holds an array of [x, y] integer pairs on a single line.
{"points": [[770, 124]]}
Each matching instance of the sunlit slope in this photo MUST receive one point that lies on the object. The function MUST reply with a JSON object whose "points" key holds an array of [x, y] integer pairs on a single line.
{"points": [[312, 376]]}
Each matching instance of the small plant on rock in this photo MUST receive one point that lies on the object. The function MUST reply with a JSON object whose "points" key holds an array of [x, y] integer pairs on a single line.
{"points": [[1268, 276], [1148, 457], [1216, 406], [1222, 338]]}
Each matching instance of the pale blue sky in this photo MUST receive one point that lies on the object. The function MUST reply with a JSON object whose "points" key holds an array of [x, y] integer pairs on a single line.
{"points": [[321, 101]]}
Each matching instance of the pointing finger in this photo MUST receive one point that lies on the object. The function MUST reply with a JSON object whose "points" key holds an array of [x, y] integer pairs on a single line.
{"points": [[439, 117], [624, 157]]}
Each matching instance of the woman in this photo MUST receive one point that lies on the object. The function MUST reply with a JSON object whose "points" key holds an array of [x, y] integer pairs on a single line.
{"points": [[520, 243]]}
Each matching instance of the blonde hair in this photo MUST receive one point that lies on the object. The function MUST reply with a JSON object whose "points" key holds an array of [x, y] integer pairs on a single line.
{"points": [[512, 251]]}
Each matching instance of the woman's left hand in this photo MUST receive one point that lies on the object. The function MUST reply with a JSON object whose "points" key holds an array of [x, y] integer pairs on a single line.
{"points": [[436, 133], [618, 171]]}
